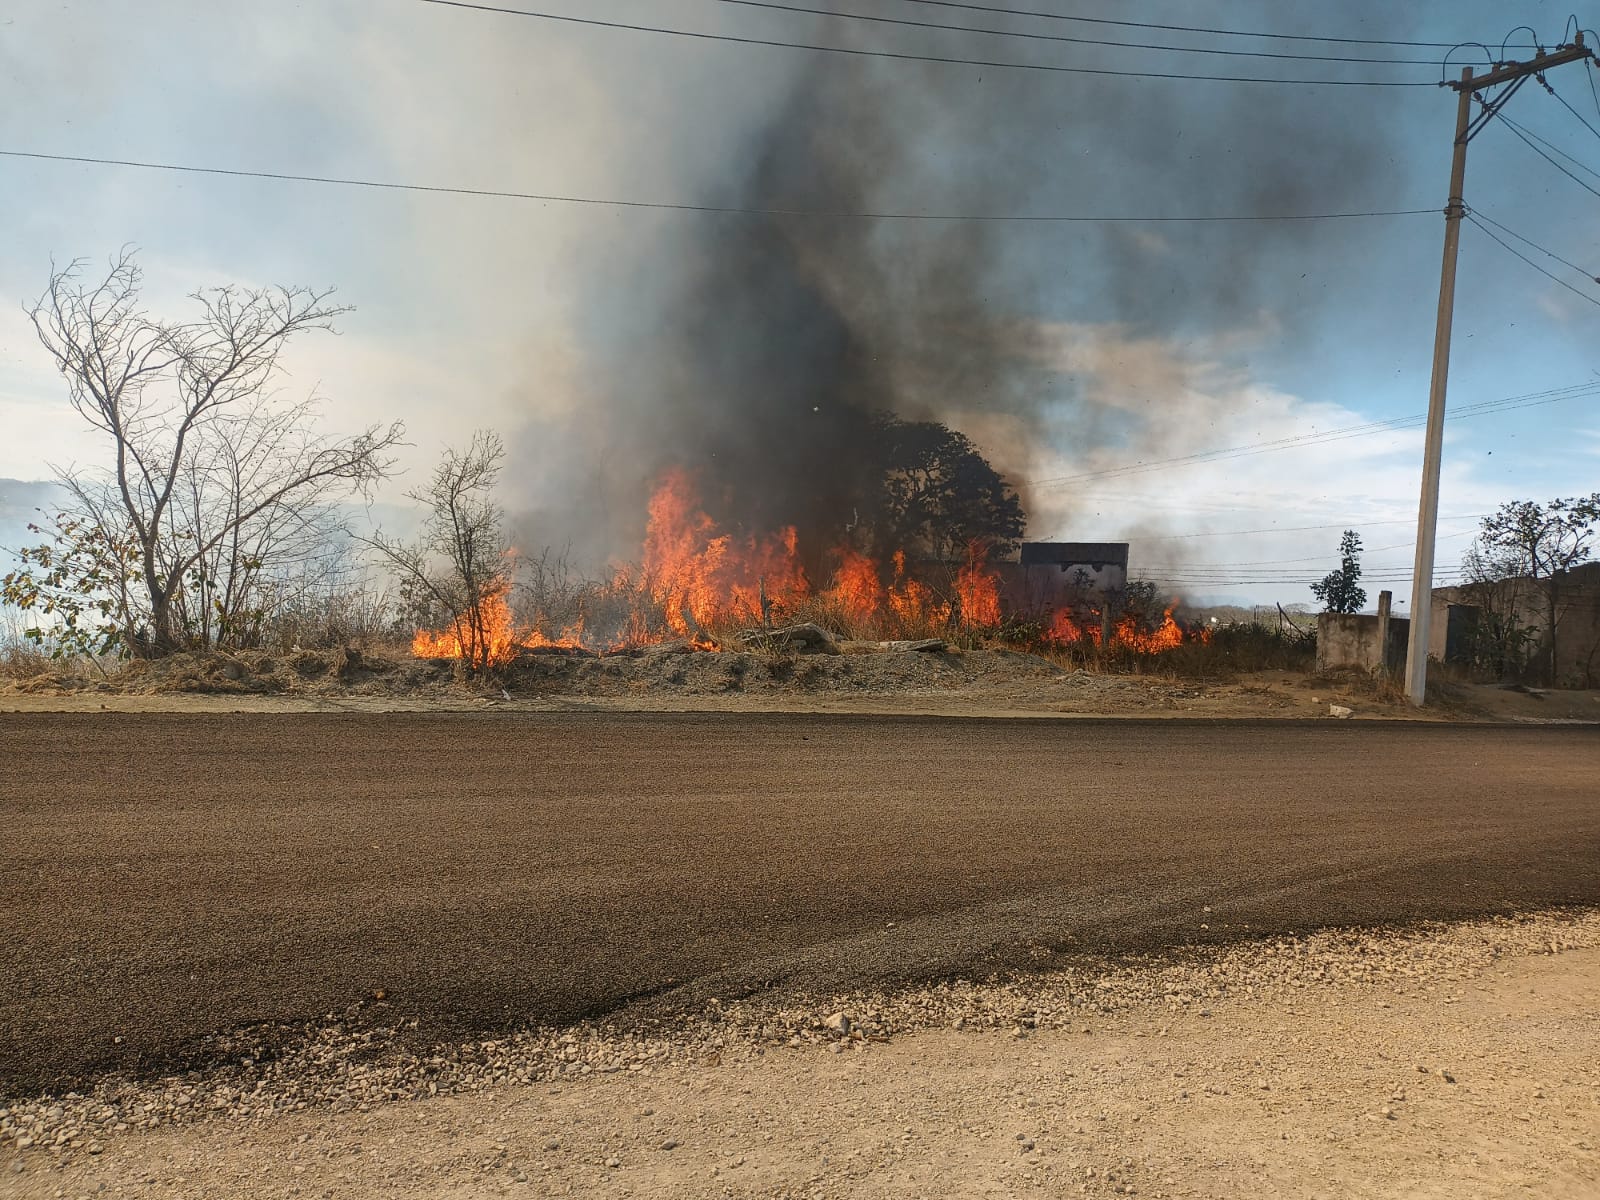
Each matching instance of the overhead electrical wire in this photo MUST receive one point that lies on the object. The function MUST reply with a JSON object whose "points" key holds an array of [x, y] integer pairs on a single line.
{"points": [[1224, 570], [1316, 558], [1484, 408], [1585, 272], [1178, 537], [1292, 37], [904, 56], [1226, 578], [1562, 100], [1510, 249], [721, 209], [1549, 145], [873, 18], [1529, 142]]}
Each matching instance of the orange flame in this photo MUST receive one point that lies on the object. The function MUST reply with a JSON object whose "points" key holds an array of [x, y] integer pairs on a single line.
{"points": [[912, 601], [495, 645], [696, 577], [1168, 635], [978, 587], [1067, 632], [857, 590], [700, 576]]}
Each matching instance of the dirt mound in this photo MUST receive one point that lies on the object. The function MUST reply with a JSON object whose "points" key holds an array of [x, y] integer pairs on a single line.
{"points": [[653, 671], [253, 672], [702, 672]]}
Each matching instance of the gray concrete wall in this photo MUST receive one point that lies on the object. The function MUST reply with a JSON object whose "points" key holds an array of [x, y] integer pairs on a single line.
{"points": [[1523, 602], [1350, 641], [1041, 589]]}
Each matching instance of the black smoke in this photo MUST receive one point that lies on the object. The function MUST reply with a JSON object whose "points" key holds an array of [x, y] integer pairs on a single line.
{"points": [[759, 345]]}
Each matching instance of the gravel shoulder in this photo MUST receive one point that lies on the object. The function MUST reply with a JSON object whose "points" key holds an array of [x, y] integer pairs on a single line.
{"points": [[1442, 1061]]}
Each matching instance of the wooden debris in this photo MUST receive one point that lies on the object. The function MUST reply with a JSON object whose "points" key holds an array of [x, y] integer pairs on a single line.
{"points": [[807, 638]]}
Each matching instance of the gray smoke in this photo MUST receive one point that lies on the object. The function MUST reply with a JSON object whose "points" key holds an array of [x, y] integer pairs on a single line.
{"points": [[752, 349]]}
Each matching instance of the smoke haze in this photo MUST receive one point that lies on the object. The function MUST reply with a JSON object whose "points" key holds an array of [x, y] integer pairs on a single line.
{"points": [[759, 345]]}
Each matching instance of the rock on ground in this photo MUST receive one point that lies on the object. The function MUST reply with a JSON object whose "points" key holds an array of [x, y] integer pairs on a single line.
{"points": [[1443, 1062]]}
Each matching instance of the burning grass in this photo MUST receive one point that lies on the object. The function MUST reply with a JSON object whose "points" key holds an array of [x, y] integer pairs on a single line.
{"points": [[702, 585]]}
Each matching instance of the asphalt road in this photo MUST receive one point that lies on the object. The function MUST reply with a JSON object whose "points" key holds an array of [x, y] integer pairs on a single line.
{"points": [[168, 877]]}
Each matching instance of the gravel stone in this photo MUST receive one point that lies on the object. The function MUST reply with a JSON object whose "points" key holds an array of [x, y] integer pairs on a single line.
{"points": [[340, 1065]]}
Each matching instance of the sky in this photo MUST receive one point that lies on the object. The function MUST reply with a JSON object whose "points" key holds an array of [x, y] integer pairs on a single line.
{"points": [[1132, 353]]}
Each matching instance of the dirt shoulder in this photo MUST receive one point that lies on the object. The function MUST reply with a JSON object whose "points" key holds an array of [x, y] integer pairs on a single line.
{"points": [[998, 683], [1440, 1062]]}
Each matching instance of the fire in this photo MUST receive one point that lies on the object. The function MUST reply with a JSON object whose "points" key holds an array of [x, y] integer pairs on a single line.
{"points": [[696, 579], [496, 644], [701, 576], [1168, 635], [913, 602], [1067, 632], [857, 590], [500, 641], [978, 588]]}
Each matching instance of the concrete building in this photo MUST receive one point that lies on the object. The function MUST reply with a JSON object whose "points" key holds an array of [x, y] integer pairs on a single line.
{"points": [[1503, 627], [1055, 575]]}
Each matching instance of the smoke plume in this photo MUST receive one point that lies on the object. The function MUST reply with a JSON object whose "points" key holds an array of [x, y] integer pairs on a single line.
{"points": [[756, 346]]}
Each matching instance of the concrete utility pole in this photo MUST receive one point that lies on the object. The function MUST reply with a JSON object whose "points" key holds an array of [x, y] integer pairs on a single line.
{"points": [[1516, 74]]}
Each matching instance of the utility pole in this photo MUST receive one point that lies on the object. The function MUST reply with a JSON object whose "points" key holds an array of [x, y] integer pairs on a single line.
{"points": [[1516, 74]]}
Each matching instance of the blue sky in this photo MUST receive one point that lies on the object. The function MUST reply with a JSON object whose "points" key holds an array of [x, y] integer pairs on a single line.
{"points": [[1146, 342]]}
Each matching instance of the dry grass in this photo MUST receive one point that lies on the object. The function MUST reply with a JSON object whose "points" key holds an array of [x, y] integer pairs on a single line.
{"points": [[1229, 651], [21, 657]]}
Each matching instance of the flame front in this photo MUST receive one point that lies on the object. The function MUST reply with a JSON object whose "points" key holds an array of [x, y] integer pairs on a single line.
{"points": [[696, 581], [1065, 630], [857, 591], [701, 577], [494, 644], [978, 587]]}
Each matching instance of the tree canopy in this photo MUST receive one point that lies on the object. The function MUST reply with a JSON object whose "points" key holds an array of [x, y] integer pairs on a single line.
{"points": [[936, 493], [1542, 542], [1340, 590]]}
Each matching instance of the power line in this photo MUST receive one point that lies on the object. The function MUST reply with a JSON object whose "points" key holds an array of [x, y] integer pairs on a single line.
{"points": [[1528, 141], [907, 57], [1532, 399], [1069, 38], [1563, 102], [1549, 145], [1225, 572], [1587, 274], [1292, 37], [722, 209], [1242, 571], [1273, 562], [1510, 249], [1178, 537], [1203, 582]]}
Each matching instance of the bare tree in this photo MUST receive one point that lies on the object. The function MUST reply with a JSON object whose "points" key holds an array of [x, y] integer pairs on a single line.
{"points": [[215, 481], [1548, 540], [1494, 579], [459, 569]]}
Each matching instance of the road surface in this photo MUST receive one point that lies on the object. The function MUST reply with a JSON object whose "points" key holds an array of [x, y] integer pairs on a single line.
{"points": [[165, 877]]}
